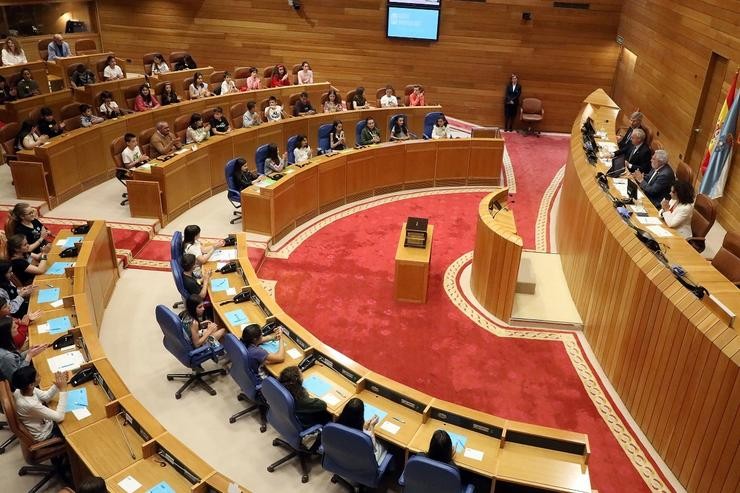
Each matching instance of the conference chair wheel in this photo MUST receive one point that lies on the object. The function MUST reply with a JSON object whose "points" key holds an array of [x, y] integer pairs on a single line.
{"points": [[178, 395], [275, 442], [223, 372], [232, 420], [263, 428], [270, 469], [241, 397], [334, 479], [211, 392], [170, 378], [304, 478]]}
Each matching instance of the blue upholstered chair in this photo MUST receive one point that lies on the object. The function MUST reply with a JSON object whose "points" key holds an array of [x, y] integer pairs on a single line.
{"points": [[281, 416], [177, 275], [348, 454], [429, 120], [232, 190], [182, 348], [249, 384], [324, 132], [259, 158], [422, 475], [176, 246], [292, 144], [358, 131]]}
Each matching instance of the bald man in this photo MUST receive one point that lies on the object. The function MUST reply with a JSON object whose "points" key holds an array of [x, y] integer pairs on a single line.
{"points": [[163, 141], [58, 48]]}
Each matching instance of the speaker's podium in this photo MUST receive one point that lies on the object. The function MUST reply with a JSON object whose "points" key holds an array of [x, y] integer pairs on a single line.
{"points": [[412, 261]]}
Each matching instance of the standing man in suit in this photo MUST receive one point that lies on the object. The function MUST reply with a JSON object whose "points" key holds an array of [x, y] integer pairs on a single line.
{"points": [[635, 123], [635, 155], [656, 184], [511, 102]]}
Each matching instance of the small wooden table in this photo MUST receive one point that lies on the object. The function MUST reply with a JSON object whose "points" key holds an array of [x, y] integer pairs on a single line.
{"points": [[412, 269]]}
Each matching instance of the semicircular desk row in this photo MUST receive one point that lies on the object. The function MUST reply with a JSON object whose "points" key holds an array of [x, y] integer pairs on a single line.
{"points": [[120, 438], [673, 358], [81, 159]]}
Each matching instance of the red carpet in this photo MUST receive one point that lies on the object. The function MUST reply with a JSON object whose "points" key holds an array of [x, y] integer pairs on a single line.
{"points": [[535, 161], [339, 284]]}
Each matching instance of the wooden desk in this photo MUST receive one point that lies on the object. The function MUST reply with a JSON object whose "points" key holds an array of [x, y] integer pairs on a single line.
{"points": [[38, 73], [106, 438], [90, 93], [541, 469], [456, 419], [412, 269], [20, 109], [498, 252], [60, 66], [670, 357], [327, 182], [178, 76]]}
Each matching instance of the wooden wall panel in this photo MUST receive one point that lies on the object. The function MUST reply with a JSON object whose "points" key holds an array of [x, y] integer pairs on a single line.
{"points": [[672, 361], [672, 42], [560, 56]]}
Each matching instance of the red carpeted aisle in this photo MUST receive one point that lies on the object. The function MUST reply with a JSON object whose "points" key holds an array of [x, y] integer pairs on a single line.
{"points": [[339, 284], [535, 161]]}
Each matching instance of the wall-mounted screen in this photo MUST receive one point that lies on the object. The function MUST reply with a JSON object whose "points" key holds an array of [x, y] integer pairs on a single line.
{"points": [[413, 23]]}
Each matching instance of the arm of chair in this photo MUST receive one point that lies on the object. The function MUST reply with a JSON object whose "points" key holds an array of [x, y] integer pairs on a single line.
{"points": [[470, 489], [50, 442], [310, 430], [698, 240], [385, 463]]}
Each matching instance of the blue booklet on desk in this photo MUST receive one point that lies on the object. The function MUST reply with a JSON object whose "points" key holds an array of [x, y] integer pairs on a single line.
{"points": [[70, 242], [162, 487], [59, 325], [237, 317], [270, 346], [458, 441], [221, 284], [76, 399], [57, 268], [49, 295], [317, 385], [371, 411]]}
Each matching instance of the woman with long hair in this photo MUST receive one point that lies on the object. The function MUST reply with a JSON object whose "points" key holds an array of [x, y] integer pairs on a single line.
{"points": [[23, 221], [145, 100], [12, 53], [26, 265], [167, 94], [191, 244], [309, 410], [353, 416]]}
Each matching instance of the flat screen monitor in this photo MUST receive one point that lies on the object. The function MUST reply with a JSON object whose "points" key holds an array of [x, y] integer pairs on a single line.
{"points": [[413, 23]]}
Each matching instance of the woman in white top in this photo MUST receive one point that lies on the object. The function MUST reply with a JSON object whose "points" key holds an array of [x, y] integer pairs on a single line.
{"points": [[199, 89], [228, 86], [305, 74], [13, 54], [159, 66], [197, 132], [29, 136], [112, 71], [440, 130], [678, 211], [39, 420], [191, 244], [302, 152]]}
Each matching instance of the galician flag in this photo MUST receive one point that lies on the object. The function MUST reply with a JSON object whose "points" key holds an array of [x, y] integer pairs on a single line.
{"points": [[716, 164]]}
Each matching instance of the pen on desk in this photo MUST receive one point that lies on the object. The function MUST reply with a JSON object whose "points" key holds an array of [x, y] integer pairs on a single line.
{"points": [[341, 394], [50, 285], [399, 420]]}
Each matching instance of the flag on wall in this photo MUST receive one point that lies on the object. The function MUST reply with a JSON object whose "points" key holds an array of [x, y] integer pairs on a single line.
{"points": [[715, 176], [720, 123]]}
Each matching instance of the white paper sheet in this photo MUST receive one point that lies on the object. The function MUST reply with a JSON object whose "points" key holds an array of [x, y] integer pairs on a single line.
{"points": [[66, 362], [221, 255], [660, 231], [649, 220], [471, 453], [390, 427], [57, 303], [294, 353], [81, 414], [331, 399], [42, 328], [129, 484], [231, 291]]}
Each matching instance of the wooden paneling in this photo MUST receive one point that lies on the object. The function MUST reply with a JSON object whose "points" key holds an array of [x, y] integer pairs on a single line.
{"points": [[560, 56], [672, 361], [668, 89]]}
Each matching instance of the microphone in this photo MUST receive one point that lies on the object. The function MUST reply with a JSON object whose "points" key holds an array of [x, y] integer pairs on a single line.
{"points": [[620, 170]]}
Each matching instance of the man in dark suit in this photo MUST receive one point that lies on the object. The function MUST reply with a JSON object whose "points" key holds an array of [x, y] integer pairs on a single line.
{"points": [[635, 155], [657, 184], [511, 102], [635, 122]]}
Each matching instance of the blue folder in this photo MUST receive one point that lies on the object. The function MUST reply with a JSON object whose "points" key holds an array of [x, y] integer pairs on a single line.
{"points": [[458, 441], [71, 241], [76, 399], [221, 284], [59, 325], [270, 346], [237, 317], [371, 411], [49, 295], [162, 487], [57, 268], [316, 385]]}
